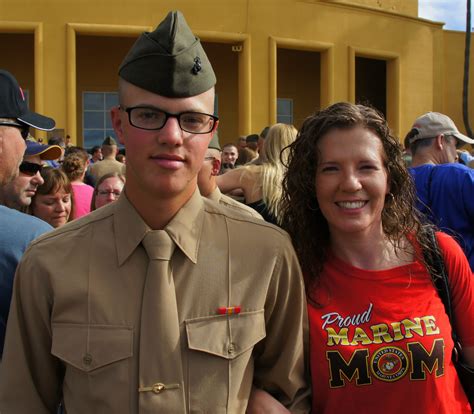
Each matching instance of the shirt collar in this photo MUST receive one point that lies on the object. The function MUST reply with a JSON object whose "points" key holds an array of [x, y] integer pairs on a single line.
{"points": [[215, 195], [185, 228]]}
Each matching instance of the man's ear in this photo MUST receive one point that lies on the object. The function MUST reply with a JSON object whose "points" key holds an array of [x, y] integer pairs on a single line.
{"points": [[216, 166], [116, 115], [440, 141]]}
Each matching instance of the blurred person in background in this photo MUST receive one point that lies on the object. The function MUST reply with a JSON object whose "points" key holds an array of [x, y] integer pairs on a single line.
{"points": [[75, 166], [207, 184], [52, 202], [249, 152], [109, 163], [121, 158], [107, 190], [58, 141], [261, 184], [96, 154]]}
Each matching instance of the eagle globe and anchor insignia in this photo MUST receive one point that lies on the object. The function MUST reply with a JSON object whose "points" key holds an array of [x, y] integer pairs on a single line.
{"points": [[389, 364]]}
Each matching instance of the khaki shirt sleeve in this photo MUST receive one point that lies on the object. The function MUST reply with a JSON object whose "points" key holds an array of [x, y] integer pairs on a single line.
{"points": [[30, 377], [281, 364]]}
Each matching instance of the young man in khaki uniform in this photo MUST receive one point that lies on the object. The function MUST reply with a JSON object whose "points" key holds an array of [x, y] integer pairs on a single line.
{"points": [[108, 164], [152, 304]]}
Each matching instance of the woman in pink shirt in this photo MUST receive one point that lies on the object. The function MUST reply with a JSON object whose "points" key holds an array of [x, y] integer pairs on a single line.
{"points": [[75, 166]]}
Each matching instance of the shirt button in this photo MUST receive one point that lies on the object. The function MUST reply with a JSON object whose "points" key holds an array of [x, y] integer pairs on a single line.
{"points": [[231, 348], [157, 388], [87, 359]]}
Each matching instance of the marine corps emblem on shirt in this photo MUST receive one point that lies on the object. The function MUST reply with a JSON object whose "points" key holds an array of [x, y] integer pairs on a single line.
{"points": [[389, 363]]}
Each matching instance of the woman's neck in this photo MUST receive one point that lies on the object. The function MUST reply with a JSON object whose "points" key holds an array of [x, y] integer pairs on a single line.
{"points": [[371, 253]]}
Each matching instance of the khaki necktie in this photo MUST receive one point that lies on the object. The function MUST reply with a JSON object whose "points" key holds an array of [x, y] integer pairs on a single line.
{"points": [[160, 378]]}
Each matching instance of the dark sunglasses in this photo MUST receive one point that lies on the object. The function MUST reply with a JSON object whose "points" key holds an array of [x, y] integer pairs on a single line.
{"points": [[30, 168], [24, 130]]}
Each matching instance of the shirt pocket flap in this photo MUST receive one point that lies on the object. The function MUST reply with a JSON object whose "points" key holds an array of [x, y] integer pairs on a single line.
{"points": [[88, 347], [226, 336]]}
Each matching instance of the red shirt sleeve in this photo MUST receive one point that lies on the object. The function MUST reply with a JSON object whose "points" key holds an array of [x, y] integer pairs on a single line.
{"points": [[461, 283]]}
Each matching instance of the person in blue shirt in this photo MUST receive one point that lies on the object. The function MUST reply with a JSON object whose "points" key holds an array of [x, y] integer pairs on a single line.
{"points": [[445, 188], [17, 230]]}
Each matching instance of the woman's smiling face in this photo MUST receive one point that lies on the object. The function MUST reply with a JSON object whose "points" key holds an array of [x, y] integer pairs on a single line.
{"points": [[351, 181]]}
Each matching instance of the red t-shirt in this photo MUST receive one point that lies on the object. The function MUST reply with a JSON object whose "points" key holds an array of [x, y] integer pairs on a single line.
{"points": [[381, 340]]}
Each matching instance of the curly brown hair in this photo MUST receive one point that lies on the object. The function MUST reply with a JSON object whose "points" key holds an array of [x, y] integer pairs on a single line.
{"points": [[75, 164], [302, 217]]}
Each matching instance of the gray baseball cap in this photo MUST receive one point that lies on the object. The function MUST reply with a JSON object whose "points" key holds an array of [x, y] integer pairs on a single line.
{"points": [[432, 124]]}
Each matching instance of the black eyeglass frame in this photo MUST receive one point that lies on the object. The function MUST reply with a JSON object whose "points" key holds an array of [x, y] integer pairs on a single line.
{"points": [[24, 129], [30, 168], [167, 116]]}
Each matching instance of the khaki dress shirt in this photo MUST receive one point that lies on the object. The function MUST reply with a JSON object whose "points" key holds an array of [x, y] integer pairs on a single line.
{"points": [[74, 324], [106, 166], [235, 205]]}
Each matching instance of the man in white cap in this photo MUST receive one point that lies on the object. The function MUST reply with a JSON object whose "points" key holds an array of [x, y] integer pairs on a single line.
{"points": [[17, 230], [444, 187], [152, 304], [18, 193]]}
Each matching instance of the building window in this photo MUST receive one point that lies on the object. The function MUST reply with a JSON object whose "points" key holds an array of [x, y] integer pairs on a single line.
{"points": [[96, 122], [285, 111]]}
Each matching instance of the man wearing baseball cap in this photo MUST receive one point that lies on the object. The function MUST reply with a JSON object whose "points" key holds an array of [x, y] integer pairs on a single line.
{"points": [[152, 304], [444, 187], [18, 193], [17, 230]]}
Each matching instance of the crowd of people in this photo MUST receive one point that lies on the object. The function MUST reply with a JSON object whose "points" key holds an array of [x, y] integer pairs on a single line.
{"points": [[285, 272]]}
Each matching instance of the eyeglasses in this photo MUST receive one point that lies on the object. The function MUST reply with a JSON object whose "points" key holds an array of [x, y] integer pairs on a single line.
{"points": [[105, 193], [24, 130], [149, 118], [30, 168], [210, 158]]}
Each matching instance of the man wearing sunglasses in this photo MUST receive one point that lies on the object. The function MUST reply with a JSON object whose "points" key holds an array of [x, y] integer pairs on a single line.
{"points": [[18, 193], [17, 230]]}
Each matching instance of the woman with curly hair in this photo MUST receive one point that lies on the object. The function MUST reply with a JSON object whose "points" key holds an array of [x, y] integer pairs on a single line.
{"points": [[380, 337], [261, 184]]}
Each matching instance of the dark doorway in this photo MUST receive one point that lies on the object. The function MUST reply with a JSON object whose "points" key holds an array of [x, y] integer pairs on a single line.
{"points": [[371, 83]]}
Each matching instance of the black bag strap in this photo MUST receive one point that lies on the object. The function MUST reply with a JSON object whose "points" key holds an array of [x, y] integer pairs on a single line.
{"points": [[439, 275]]}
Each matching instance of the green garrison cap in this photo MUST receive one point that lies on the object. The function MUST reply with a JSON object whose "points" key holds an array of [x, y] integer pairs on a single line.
{"points": [[109, 141], [169, 61], [215, 142]]}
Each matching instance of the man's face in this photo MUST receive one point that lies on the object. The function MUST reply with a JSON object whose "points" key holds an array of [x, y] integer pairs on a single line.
{"points": [[12, 148], [162, 163], [19, 191], [242, 143], [229, 155], [97, 156], [450, 153]]}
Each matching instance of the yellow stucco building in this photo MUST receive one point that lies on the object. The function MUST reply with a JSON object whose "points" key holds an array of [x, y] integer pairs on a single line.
{"points": [[274, 59]]}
